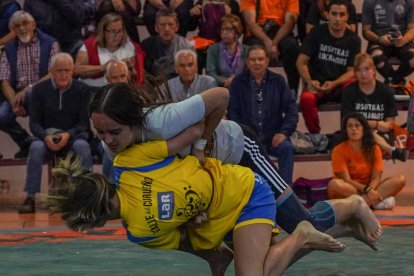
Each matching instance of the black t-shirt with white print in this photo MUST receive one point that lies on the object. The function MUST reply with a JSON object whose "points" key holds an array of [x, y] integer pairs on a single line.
{"points": [[329, 56], [377, 106]]}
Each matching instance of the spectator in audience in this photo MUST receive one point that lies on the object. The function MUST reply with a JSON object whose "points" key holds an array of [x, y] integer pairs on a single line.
{"points": [[262, 100], [326, 62], [188, 82], [127, 9], [225, 59], [375, 101], [357, 167], [59, 120], [318, 11], [161, 48], [206, 15], [60, 19], [25, 62], [111, 42], [272, 27], [389, 28], [7, 8], [117, 72], [180, 7]]}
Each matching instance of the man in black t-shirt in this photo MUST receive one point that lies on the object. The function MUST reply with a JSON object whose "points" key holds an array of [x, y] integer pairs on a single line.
{"points": [[389, 28], [326, 62], [317, 15]]}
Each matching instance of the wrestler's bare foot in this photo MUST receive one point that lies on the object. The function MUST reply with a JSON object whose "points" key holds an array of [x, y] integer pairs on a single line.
{"points": [[372, 229], [219, 265], [317, 240], [355, 229]]}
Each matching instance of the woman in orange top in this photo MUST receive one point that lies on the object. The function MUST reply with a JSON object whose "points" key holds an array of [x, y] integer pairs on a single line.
{"points": [[357, 166]]}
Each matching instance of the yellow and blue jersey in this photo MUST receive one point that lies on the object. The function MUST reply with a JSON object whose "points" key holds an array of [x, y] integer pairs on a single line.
{"points": [[159, 193]]}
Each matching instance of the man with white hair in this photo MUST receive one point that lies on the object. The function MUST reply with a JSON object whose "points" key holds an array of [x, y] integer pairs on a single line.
{"points": [[188, 82], [60, 122], [25, 62], [117, 72]]}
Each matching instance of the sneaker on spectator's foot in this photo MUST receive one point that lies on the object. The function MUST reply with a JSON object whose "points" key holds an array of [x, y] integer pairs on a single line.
{"points": [[399, 154], [22, 153], [386, 204], [28, 206]]}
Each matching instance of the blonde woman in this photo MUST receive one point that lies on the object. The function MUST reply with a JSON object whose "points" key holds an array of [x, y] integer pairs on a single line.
{"points": [[375, 101], [111, 42]]}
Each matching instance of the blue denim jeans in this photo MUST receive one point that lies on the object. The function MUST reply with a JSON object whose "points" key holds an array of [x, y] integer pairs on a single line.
{"points": [[38, 153], [9, 125], [285, 154]]}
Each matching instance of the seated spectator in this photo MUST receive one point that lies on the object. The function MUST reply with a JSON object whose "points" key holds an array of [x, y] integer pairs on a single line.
{"points": [[326, 62], [117, 72], [59, 120], [60, 19], [180, 7], [373, 100], [262, 100], [25, 62], [318, 11], [357, 166], [389, 28], [206, 15], [188, 82], [127, 9], [161, 48], [111, 42], [225, 59], [273, 27], [7, 8]]}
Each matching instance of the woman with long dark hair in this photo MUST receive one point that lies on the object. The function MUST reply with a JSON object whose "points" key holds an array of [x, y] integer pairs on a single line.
{"points": [[357, 166]]}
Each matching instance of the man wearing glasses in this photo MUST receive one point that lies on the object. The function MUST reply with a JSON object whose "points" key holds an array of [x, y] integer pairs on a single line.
{"points": [[25, 62], [263, 101]]}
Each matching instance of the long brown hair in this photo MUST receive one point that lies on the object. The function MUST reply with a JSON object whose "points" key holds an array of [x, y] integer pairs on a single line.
{"points": [[368, 141]]}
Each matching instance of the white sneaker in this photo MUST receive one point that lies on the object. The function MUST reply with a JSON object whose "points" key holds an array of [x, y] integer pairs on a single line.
{"points": [[386, 204]]}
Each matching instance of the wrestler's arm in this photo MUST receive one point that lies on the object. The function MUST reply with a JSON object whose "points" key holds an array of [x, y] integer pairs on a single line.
{"points": [[185, 138], [167, 121]]}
